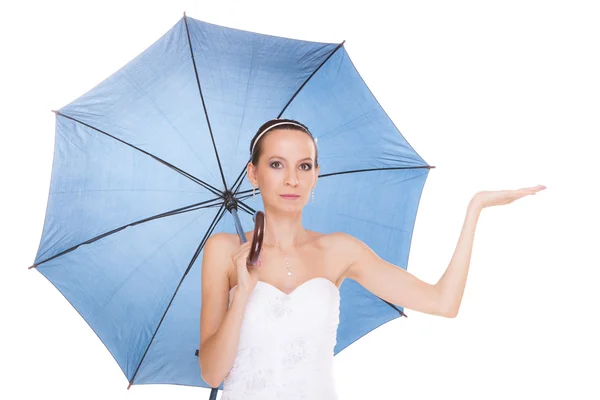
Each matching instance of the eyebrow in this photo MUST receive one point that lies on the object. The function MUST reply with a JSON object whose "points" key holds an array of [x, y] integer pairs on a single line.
{"points": [[283, 158]]}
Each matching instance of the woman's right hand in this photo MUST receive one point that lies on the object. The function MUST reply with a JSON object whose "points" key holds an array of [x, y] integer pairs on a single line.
{"points": [[247, 277]]}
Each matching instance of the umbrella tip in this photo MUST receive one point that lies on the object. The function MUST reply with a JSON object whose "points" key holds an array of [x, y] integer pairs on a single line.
{"points": [[129, 385], [54, 111], [33, 266], [184, 14]]}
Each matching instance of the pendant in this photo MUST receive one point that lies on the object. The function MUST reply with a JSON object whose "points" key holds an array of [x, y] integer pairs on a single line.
{"points": [[287, 263]]}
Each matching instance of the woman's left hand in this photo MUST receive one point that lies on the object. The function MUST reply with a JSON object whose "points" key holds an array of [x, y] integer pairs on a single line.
{"points": [[489, 198]]}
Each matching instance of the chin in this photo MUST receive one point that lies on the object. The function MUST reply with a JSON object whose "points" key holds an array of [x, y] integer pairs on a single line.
{"points": [[286, 205]]}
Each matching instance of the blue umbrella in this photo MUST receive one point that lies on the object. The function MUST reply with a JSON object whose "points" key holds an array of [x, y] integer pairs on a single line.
{"points": [[151, 162]]}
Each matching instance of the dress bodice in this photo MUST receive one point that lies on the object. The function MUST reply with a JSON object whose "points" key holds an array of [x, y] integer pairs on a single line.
{"points": [[286, 344]]}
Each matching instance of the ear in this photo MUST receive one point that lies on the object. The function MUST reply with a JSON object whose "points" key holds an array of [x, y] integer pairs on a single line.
{"points": [[251, 172]]}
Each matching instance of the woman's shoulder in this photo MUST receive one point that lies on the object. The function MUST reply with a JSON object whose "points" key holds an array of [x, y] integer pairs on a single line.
{"points": [[222, 237], [223, 241], [329, 240], [338, 239], [340, 250], [343, 246]]}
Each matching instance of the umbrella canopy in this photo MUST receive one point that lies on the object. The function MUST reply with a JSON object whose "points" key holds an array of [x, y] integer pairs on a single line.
{"points": [[146, 162]]}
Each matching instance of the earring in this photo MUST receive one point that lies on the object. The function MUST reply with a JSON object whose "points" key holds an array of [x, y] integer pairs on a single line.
{"points": [[253, 194], [313, 195]]}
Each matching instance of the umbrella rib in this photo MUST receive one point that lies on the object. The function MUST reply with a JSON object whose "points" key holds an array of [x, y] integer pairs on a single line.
{"points": [[244, 192], [238, 178], [246, 208], [203, 102], [191, 207], [351, 172], [370, 170], [247, 196], [293, 97], [394, 307], [200, 182], [374, 169], [377, 101], [311, 75], [211, 228]]}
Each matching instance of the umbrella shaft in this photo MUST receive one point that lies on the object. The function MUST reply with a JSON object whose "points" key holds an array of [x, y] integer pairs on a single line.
{"points": [[238, 225]]}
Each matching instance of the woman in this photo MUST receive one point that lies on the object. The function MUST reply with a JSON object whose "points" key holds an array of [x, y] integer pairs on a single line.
{"points": [[269, 332]]}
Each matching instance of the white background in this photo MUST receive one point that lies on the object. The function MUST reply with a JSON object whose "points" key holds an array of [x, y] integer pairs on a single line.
{"points": [[496, 95]]}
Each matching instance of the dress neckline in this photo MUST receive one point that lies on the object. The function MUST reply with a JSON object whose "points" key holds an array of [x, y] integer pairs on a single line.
{"points": [[297, 287]]}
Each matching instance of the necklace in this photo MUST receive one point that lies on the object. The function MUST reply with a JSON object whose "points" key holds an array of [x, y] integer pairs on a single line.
{"points": [[287, 261]]}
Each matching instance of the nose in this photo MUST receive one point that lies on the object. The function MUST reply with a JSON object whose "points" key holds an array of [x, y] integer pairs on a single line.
{"points": [[291, 178]]}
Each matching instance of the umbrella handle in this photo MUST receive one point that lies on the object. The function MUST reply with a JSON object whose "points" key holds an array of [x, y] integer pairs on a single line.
{"points": [[257, 238]]}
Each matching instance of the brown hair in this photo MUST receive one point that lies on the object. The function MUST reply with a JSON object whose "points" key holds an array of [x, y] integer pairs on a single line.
{"points": [[258, 149]]}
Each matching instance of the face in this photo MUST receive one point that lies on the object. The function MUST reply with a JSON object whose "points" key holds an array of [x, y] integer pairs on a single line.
{"points": [[286, 166]]}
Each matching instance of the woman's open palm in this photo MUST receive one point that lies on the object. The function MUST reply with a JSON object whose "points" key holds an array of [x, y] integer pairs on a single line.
{"points": [[488, 198]]}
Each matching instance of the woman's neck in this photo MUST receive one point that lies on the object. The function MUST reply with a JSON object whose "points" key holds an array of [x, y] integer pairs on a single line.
{"points": [[284, 230]]}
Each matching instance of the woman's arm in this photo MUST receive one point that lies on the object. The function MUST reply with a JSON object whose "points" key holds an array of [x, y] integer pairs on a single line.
{"points": [[399, 287], [451, 285], [219, 325], [386, 280]]}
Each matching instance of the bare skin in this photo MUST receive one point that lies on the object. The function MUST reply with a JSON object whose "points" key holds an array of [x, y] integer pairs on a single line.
{"points": [[287, 166]]}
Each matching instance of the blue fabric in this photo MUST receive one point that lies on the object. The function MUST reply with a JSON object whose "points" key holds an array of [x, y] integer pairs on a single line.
{"points": [[110, 171]]}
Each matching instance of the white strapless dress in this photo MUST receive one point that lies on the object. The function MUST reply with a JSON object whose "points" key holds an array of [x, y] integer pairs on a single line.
{"points": [[286, 344]]}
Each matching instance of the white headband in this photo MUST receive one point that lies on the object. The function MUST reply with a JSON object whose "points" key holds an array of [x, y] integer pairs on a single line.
{"points": [[273, 126]]}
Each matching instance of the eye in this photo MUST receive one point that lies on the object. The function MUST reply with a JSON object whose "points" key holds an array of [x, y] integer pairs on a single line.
{"points": [[309, 165], [273, 163]]}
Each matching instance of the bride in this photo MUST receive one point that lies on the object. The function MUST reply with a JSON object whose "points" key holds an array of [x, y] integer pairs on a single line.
{"points": [[269, 332]]}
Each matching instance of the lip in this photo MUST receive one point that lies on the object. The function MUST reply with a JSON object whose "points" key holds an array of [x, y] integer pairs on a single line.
{"points": [[290, 196]]}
